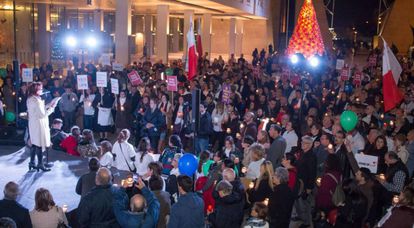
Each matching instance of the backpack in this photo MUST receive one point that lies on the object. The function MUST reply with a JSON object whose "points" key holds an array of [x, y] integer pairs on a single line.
{"points": [[338, 196]]}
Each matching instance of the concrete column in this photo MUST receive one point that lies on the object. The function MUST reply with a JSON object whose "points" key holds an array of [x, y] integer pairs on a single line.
{"points": [[187, 15], [122, 30], [232, 36], [24, 44], [239, 37], [148, 39], [206, 33], [163, 22], [98, 18], [44, 32], [175, 34]]}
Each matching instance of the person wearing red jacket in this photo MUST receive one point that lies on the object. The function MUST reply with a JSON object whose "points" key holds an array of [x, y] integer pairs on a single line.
{"points": [[70, 143]]}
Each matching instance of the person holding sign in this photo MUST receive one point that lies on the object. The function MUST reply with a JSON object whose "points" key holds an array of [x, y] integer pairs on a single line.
{"points": [[103, 102], [38, 114]]}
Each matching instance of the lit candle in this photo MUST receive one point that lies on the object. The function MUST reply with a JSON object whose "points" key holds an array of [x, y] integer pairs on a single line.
{"points": [[210, 208], [241, 126], [251, 185], [122, 108], [14, 93], [162, 75], [318, 181], [382, 176], [382, 116], [333, 92], [150, 78], [172, 126], [391, 123], [64, 208], [330, 146], [20, 99], [266, 201], [228, 131], [60, 76]]}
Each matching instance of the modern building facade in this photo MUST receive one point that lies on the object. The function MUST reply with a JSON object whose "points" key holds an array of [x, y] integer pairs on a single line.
{"points": [[129, 29]]}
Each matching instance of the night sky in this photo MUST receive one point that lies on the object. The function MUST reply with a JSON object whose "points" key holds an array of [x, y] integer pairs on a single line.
{"points": [[355, 13]]}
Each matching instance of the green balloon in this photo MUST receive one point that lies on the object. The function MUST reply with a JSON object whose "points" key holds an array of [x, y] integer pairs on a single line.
{"points": [[169, 71], [10, 117], [349, 120], [3, 72]]}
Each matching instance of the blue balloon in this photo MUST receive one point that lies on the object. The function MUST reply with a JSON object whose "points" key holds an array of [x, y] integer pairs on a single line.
{"points": [[188, 164]]}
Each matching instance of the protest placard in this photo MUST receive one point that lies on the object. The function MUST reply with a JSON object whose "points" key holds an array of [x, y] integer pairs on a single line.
{"points": [[27, 74], [135, 78], [172, 84], [114, 86], [101, 79], [82, 80], [367, 161]]}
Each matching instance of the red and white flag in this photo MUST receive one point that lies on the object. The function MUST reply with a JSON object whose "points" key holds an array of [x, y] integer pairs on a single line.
{"points": [[198, 41], [191, 53], [391, 71]]}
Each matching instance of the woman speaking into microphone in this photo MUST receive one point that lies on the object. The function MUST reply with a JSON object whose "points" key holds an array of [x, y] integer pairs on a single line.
{"points": [[39, 131]]}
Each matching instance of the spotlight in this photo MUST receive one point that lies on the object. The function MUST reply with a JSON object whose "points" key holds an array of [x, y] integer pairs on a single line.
{"points": [[71, 41], [91, 42], [314, 61], [294, 59]]}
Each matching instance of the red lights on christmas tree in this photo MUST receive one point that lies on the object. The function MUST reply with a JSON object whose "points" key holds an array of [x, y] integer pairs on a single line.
{"points": [[307, 37]]}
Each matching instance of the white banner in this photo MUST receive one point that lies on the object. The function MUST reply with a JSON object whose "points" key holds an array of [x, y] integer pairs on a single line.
{"points": [[340, 63], [27, 74], [117, 67], [367, 161], [101, 79], [114, 86], [82, 82]]}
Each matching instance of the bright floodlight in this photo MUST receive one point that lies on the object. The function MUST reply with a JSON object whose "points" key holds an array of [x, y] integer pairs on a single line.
{"points": [[71, 41], [314, 61], [294, 59], [91, 41]]}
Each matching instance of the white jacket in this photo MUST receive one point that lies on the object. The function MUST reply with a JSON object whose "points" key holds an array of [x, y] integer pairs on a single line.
{"points": [[123, 156], [38, 116]]}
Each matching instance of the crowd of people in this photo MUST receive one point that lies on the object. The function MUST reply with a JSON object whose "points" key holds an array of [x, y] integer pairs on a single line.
{"points": [[271, 150]]}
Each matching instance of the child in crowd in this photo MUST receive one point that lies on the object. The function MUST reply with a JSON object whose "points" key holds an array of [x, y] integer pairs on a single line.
{"points": [[258, 216]]}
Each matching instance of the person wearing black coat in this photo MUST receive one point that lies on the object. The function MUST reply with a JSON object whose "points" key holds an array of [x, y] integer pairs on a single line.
{"points": [[228, 211], [95, 209], [281, 200], [204, 131], [153, 122], [9, 207], [306, 166]]}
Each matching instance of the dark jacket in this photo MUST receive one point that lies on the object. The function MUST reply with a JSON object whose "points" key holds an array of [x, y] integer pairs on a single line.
{"points": [[277, 151], [188, 212], [306, 166], [85, 183], [15, 211], [280, 206], [263, 191], [95, 209], [56, 137], [130, 219], [228, 211], [157, 119], [342, 154], [206, 126], [165, 207], [401, 217]]}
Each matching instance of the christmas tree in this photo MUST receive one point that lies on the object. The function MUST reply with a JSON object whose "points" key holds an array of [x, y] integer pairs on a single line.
{"points": [[306, 38], [57, 49]]}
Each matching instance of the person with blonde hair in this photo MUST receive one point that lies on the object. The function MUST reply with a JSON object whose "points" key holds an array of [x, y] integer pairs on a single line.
{"points": [[46, 214], [263, 186], [257, 153]]}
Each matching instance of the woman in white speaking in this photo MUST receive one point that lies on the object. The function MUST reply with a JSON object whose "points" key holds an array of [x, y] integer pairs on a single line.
{"points": [[39, 132]]}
